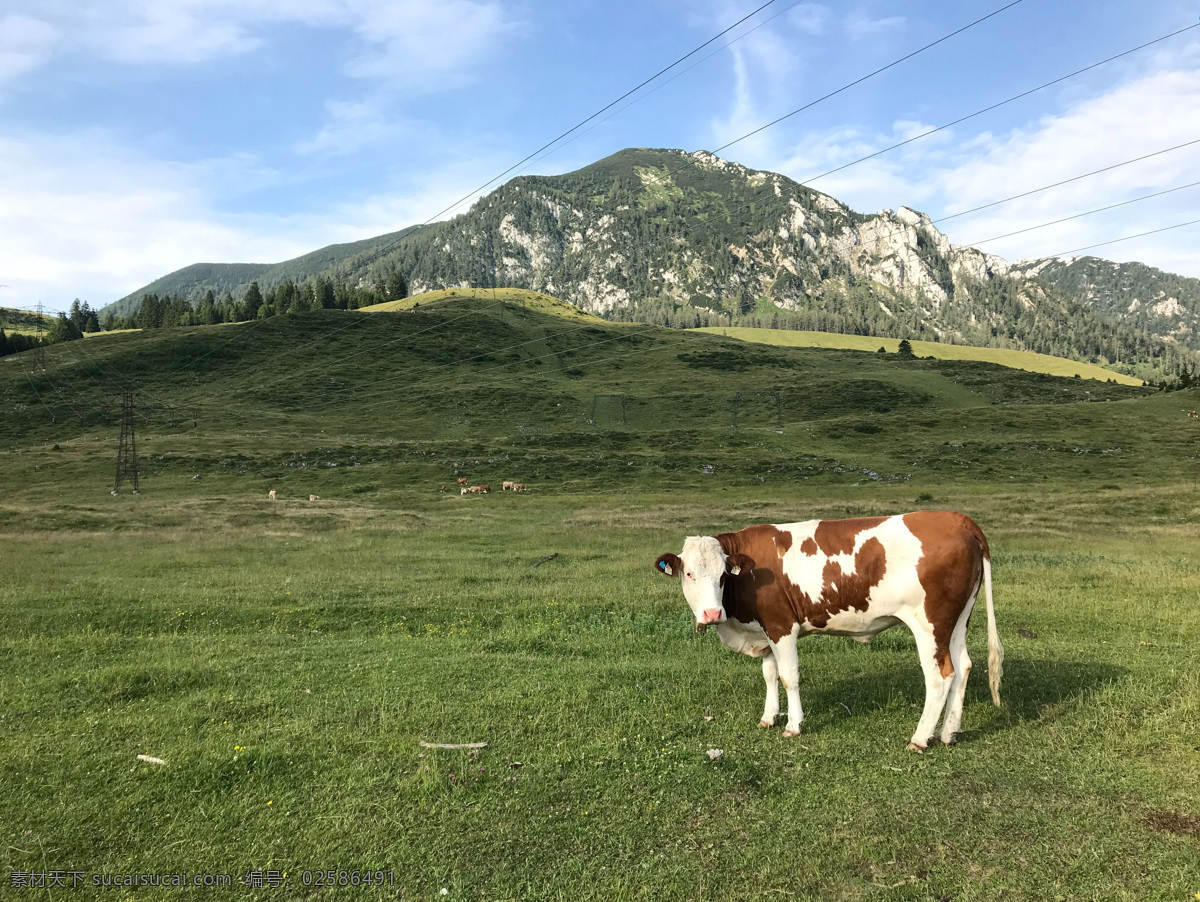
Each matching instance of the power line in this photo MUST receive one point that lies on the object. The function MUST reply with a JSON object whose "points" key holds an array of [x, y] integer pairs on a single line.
{"points": [[1178, 225], [603, 109], [994, 106], [868, 75], [1076, 178], [1043, 225], [663, 84]]}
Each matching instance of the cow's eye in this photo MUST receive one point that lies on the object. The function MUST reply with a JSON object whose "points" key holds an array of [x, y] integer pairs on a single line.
{"points": [[689, 576]]}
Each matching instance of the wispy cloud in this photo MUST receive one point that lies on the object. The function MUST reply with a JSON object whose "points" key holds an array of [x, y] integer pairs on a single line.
{"points": [[859, 24], [25, 44], [418, 40]]}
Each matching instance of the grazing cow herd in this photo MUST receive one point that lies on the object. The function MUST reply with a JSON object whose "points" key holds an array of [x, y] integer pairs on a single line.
{"points": [[765, 587]]}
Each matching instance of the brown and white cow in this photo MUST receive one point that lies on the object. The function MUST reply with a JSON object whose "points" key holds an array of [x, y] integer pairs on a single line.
{"points": [[462, 480], [766, 586]]}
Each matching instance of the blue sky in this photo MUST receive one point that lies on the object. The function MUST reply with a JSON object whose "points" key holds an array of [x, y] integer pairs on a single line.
{"points": [[138, 137]]}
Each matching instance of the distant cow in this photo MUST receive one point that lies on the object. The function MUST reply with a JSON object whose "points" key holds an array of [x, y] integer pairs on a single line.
{"points": [[464, 491], [314, 497], [442, 489], [481, 489], [506, 485], [766, 586], [1193, 414], [271, 494], [518, 486], [462, 480]]}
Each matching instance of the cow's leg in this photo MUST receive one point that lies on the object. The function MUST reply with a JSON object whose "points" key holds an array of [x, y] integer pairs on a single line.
{"points": [[787, 663], [937, 685], [771, 678], [962, 669]]}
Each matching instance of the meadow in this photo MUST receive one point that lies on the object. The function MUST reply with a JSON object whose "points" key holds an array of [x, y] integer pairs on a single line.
{"points": [[286, 659], [1021, 360]]}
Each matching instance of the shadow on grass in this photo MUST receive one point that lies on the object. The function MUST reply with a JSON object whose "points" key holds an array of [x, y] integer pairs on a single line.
{"points": [[1040, 691]]}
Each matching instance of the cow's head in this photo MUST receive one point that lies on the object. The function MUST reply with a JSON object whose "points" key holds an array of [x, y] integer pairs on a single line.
{"points": [[702, 566]]}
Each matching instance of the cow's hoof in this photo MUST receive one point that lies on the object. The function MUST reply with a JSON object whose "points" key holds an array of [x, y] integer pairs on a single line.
{"points": [[952, 739], [767, 724], [913, 747], [789, 733]]}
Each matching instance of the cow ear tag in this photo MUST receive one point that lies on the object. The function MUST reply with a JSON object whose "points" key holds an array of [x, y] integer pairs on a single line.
{"points": [[662, 565]]}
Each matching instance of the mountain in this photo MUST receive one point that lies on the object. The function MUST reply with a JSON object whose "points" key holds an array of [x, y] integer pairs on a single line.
{"points": [[1160, 302], [692, 239], [339, 261]]}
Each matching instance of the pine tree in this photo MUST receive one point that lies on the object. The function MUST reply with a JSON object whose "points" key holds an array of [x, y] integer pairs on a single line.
{"points": [[253, 300], [396, 289], [62, 329]]}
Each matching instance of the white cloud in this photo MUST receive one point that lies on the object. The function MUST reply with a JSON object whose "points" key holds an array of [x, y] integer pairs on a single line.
{"points": [[418, 40], [859, 24], [86, 216], [955, 171], [25, 44], [812, 18]]}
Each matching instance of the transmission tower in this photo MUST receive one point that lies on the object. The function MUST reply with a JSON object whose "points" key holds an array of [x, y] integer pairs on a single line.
{"points": [[37, 358], [127, 463]]}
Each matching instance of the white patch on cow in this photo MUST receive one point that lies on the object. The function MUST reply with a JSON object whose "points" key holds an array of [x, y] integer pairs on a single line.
{"points": [[896, 590], [744, 638]]}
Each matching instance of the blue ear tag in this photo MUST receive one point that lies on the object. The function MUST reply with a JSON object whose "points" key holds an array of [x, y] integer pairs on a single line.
{"points": [[662, 565]]}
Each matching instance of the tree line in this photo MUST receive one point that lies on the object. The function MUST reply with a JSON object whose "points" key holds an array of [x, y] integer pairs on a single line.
{"points": [[320, 293]]}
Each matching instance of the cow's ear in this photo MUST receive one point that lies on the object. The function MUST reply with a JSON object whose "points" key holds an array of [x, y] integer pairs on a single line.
{"points": [[739, 562], [670, 564]]}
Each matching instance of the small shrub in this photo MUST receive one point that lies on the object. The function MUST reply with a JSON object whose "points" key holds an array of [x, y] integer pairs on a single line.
{"points": [[924, 497]]}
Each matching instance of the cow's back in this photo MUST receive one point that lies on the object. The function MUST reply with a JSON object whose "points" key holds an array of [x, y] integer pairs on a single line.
{"points": [[855, 576]]}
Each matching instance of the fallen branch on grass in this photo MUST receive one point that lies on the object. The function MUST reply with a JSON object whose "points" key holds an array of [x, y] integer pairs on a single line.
{"points": [[452, 745], [150, 759], [543, 560]]}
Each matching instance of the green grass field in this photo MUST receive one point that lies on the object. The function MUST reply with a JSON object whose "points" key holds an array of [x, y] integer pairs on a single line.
{"points": [[285, 659], [1020, 360]]}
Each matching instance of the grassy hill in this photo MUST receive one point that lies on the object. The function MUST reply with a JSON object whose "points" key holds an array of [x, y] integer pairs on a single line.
{"points": [[1020, 360], [286, 658], [484, 380], [23, 321]]}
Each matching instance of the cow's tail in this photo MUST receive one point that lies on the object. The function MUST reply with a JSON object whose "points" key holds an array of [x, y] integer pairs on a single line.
{"points": [[995, 649]]}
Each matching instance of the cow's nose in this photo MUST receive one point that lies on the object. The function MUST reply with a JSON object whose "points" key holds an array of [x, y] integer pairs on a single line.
{"points": [[712, 615]]}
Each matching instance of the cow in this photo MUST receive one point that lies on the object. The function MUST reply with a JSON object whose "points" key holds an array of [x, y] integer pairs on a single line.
{"points": [[1193, 414], [464, 491], [506, 485], [442, 489], [481, 489], [766, 586], [462, 480], [271, 495], [314, 497], [518, 486]]}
